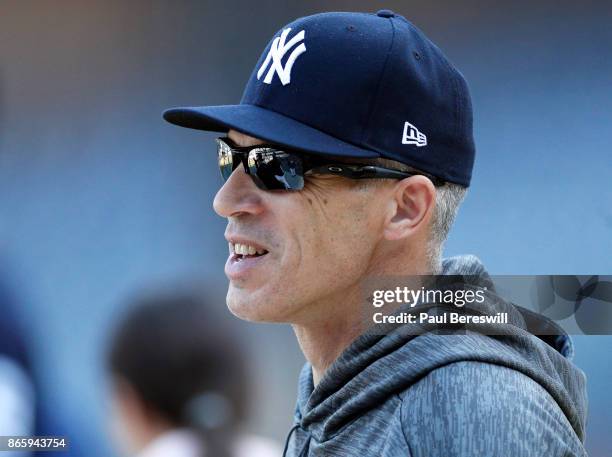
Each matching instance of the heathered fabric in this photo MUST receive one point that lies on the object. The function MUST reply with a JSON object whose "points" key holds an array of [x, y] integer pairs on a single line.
{"points": [[510, 394]]}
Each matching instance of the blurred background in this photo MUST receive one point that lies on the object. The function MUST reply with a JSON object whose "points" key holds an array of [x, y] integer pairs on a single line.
{"points": [[100, 198]]}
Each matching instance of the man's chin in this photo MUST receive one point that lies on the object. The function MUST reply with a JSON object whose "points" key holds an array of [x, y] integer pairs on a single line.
{"points": [[249, 307]]}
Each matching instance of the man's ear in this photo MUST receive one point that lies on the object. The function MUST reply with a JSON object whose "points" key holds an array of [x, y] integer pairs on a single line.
{"points": [[410, 209]]}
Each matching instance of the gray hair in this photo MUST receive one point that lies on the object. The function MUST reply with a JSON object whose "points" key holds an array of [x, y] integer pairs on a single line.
{"points": [[448, 198]]}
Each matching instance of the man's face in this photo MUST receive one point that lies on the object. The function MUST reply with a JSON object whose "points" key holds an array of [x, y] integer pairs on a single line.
{"points": [[318, 242]]}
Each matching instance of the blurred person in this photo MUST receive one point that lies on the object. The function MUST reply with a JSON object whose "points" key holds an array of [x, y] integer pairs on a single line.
{"points": [[18, 403], [347, 158], [179, 383]]}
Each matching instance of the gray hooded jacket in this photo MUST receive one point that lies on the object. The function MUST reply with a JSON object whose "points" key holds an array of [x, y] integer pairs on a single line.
{"points": [[511, 394]]}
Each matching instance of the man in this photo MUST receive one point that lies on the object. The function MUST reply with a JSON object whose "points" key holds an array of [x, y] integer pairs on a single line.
{"points": [[347, 159]]}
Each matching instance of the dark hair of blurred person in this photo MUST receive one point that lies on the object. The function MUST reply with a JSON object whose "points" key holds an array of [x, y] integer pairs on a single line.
{"points": [[180, 382]]}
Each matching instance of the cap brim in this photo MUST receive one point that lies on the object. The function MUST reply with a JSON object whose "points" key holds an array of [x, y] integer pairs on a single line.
{"points": [[266, 125]]}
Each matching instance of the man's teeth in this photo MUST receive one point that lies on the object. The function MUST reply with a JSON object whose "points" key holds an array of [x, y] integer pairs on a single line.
{"points": [[246, 249]]}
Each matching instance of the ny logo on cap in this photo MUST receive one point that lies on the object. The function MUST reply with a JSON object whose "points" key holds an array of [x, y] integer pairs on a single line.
{"points": [[278, 49], [413, 136]]}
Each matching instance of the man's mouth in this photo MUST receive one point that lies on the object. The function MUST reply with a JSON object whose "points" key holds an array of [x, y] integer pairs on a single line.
{"points": [[240, 251]]}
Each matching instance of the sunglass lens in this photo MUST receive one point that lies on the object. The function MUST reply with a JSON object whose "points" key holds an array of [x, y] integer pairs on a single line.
{"points": [[226, 159], [275, 170]]}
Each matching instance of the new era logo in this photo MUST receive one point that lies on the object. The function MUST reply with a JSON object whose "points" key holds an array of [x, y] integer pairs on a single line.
{"points": [[278, 49], [413, 136]]}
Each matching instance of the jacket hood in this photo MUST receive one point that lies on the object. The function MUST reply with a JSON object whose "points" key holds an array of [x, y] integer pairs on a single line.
{"points": [[374, 367]]}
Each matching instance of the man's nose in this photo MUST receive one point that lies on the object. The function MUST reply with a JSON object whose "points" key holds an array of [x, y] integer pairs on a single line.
{"points": [[238, 195]]}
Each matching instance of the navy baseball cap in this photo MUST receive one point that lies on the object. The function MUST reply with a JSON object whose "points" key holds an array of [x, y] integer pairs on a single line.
{"points": [[354, 85]]}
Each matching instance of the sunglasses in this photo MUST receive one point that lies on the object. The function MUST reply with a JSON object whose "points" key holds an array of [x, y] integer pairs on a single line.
{"points": [[273, 167]]}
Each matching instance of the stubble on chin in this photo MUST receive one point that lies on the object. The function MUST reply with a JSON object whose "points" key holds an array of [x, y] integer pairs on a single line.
{"points": [[255, 307]]}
